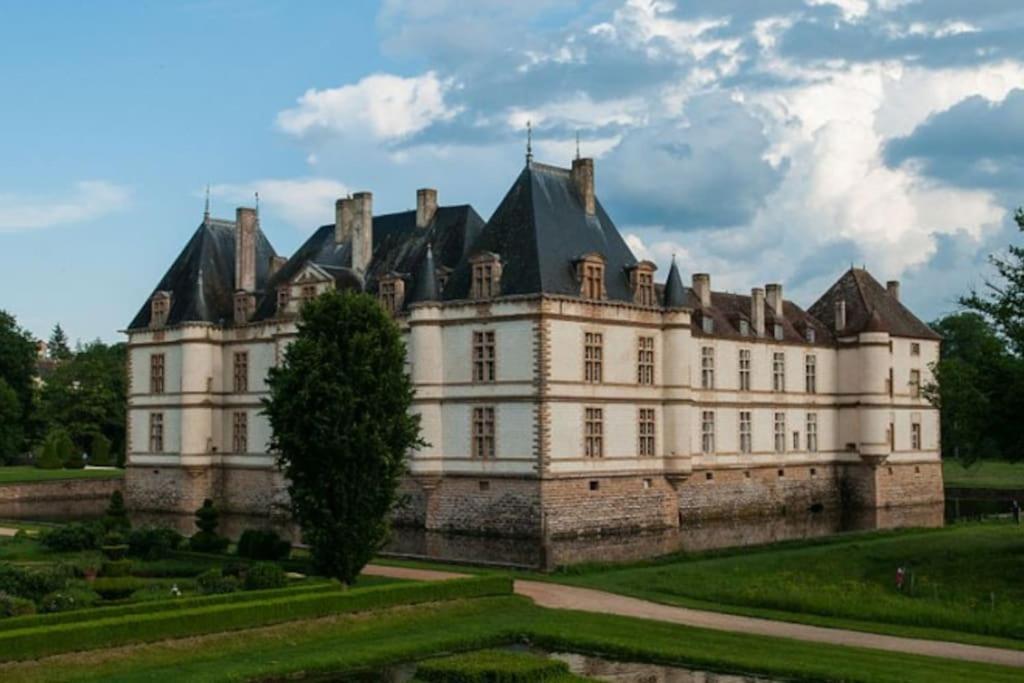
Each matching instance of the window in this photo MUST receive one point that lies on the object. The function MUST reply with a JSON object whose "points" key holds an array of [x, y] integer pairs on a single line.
{"points": [[443, 275], [156, 373], [590, 273], [244, 305], [284, 295], [241, 371], [915, 349], [780, 432], [593, 352], [745, 327], [796, 441], [746, 432], [811, 374], [240, 432], [392, 294], [707, 431], [707, 367], [744, 369], [642, 280], [810, 335], [777, 330], [486, 276], [707, 324], [308, 293], [779, 371], [483, 356], [156, 432], [160, 306], [645, 429], [812, 432], [915, 384], [593, 433], [483, 432], [645, 361], [915, 436]]}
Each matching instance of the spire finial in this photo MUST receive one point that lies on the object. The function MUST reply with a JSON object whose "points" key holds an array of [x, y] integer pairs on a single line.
{"points": [[529, 141], [257, 193], [206, 208], [577, 143]]}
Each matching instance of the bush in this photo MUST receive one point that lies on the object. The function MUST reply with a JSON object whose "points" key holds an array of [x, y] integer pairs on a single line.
{"points": [[214, 582], [71, 537], [116, 568], [153, 543], [99, 453], [13, 606], [206, 539], [170, 568], [116, 516], [257, 544], [117, 588], [263, 575], [75, 461], [47, 457], [32, 585], [67, 600], [492, 666]]}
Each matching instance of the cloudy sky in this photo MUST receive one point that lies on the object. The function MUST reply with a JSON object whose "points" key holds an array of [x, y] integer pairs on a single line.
{"points": [[778, 140]]}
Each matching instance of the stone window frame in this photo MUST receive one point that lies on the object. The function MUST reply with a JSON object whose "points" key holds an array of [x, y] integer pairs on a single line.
{"points": [[240, 431], [915, 436], [485, 356], [811, 428], [245, 306], [811, 373], [590, 274], [159, 308], [391, 293], [779, 371], [307, 293], [746, 364], [914, 383], [778, 332], [779, 427], [641, 281], [707, 367], [442, 274], [284, 297], [156, 432], [483, 432], [915, 348], [645, 360], [746, 431], [646, 432], [707, 324], [485, 270], [157, 373], [593, 432], [593, 356], [240, 372], [707, 432], [744, 327]]}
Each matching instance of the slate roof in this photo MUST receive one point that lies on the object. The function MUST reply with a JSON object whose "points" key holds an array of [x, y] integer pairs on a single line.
{"points": [[869, 307], [540, 230], [674, 293], [727, 310], [202, 279]]}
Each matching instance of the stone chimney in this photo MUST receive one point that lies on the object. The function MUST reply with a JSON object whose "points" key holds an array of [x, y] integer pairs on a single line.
{"points": [[893, 287], [343, 220], [426, 206], [840, 315], [582, 175], [773, 295], [245, 249], [702, 288], [276, 262], [757, 311], [362, 231]]}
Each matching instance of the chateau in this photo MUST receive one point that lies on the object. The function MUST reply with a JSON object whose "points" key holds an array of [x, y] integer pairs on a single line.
{"points": [[564, 392]]}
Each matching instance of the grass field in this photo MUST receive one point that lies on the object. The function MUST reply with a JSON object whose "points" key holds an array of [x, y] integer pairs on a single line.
{"points": [[22, 474], [988, 474], [364, 642]]}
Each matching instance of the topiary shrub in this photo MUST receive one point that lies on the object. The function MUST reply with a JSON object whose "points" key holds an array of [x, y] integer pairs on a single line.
{"points": [[264, 575], [206, 539], [99, 452], [115, 546], [116, 568], [67, 600], [30, 584], [116, 516], [13, 606], [71, 537], [214, 582], [259, 544], [117, 588], [47, 457], [153, 543], [75, 461]]}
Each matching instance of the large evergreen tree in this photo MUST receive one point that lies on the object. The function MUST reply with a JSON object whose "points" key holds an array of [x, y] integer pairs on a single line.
{"points": [[57, 348], [339, 408], [17, 370]]}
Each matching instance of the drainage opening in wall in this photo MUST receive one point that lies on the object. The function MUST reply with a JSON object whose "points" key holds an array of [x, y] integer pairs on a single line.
{"points": [[917, 470], [746, 473], [647, 483], [890, 470], [709, 476], [595, 485], [816, 507], [814, 472], [782, 473], [485, 486]]}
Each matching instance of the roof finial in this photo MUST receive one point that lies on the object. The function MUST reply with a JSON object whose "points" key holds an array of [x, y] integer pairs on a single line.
{"points": [[577, 143], [206, 209], [257, 206], [529, 141]]}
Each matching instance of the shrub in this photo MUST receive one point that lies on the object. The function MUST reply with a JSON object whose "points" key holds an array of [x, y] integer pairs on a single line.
{"points": [[116, 516], [206, 539], [47, 457], [263, 575], [117, 588], [214, 582], [492, 666], [32, 585], [170, 568], [75, 461], [116, 568], [258, 544], [67, 600], [71, 537], [13, 606], [99, 453], [153, 543]]}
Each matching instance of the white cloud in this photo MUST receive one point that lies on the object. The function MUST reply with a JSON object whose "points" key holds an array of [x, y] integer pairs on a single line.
{"points": [[303, 202], [90, 199], [385, 106], [851, 9], [580, 111]]}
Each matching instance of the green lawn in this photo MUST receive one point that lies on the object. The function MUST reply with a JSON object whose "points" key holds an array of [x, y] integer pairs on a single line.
{"points": [[987, 474], [22, 474], [364, 642]]}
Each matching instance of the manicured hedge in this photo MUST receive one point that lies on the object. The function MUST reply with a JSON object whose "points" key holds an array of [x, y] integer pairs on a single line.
{"points": [[32, 643], [492, 666]]}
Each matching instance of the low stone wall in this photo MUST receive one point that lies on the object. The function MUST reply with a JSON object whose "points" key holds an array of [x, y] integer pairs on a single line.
{"points": [[62, 489], [759, 492], [607, 505], [895, 485], [237, 490]]}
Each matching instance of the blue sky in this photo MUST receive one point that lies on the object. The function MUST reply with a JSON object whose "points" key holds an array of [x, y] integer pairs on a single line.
{"points": [[770, 141]]}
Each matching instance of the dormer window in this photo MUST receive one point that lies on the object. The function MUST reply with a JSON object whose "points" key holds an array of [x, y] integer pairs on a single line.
{"points": [[308, 293], [744, 327], [777, 331], [590, 273], [810, 335], [443, 274], [707, 324], [284, 296], [641, 280], [392, 294], [486, 275], [159, 308], [244, 305]]}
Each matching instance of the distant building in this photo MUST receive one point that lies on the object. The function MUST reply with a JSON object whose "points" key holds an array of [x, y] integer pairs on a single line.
{"points": [[562, 391]]}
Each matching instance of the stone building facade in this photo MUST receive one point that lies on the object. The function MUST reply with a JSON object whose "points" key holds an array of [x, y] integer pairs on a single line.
{"points": [[563, 392]]}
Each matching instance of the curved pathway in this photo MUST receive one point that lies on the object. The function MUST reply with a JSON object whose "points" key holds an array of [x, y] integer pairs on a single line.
{"points": [[561, 596]]}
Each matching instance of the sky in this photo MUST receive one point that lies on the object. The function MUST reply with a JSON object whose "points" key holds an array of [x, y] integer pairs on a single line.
{"points": [[771, 141]]}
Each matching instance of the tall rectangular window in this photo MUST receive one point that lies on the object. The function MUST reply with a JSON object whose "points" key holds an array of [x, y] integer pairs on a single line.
{"points": [[744, 369], [812, 432], [915, 349], [915, 436], [811, 374], [156, 373], [307, 294], [593, 357], [593, 433], [707, 367], [780, 432], [645, 361], [915, 384], [483, 432], [483, 356], [707, 431], [645, 429], [593, 281], [240, 432], [241, 371], [156, 432], [779, 371], [746, 432], [389, 295]]}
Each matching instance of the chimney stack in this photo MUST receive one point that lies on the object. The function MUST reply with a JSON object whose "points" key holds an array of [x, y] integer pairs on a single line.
{"points": [[343, 220], [773, 295], [245, 249], [893, 287], [275, 264], [362, 231], [757, 311], [582, 175], [840, 315], [702, 288], [426, 206]]}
